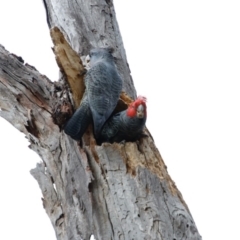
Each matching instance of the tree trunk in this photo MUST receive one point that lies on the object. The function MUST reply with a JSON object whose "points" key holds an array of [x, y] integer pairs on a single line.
{"points": [[113, 191]]}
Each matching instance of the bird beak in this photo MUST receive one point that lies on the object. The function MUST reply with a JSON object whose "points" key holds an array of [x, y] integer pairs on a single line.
{"points": [[140, 111]]}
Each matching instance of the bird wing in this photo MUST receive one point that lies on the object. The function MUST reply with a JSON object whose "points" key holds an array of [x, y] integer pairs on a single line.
{"points": [[103, 85], [111, 128], [132, 127]]}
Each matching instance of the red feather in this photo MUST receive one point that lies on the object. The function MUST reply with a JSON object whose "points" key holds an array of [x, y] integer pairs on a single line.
{"points": [[132, 109]]}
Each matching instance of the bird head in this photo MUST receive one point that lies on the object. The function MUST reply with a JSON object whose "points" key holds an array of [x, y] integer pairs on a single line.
{"points": [[138, 108], [98, 54]]}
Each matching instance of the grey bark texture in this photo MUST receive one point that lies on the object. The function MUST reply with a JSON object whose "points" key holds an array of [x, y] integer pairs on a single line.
{"points": [[113, 191]]}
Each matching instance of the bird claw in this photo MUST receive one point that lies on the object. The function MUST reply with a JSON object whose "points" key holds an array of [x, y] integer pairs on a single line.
{"points": [[123, 142], [143, 135]]}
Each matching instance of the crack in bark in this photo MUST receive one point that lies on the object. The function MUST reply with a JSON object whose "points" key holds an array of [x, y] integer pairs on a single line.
{"points": [[59, 163], [106, 205], [34, 94], [47, 13], [59, 219], [165, 201]]}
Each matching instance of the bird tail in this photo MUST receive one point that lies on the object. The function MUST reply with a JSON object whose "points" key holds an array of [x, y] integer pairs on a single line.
{"points": [[78, 123]]}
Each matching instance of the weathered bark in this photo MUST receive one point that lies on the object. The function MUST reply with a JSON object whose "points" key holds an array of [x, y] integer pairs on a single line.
{"points": [[113, 191]]}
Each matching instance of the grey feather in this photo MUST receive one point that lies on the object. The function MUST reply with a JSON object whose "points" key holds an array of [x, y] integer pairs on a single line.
{"points": [[120, 127], [78, 123], [103, 86]]}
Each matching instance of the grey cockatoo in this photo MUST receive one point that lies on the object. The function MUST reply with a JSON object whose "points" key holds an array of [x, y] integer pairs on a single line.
{"points": [[103, 87], [127, 125]]}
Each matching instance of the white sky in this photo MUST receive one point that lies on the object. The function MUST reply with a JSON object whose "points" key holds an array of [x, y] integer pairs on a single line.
{"points": [[184, 57]]}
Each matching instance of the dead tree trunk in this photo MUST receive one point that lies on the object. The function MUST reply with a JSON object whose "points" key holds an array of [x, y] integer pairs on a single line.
{"points": [[113, 191]]}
